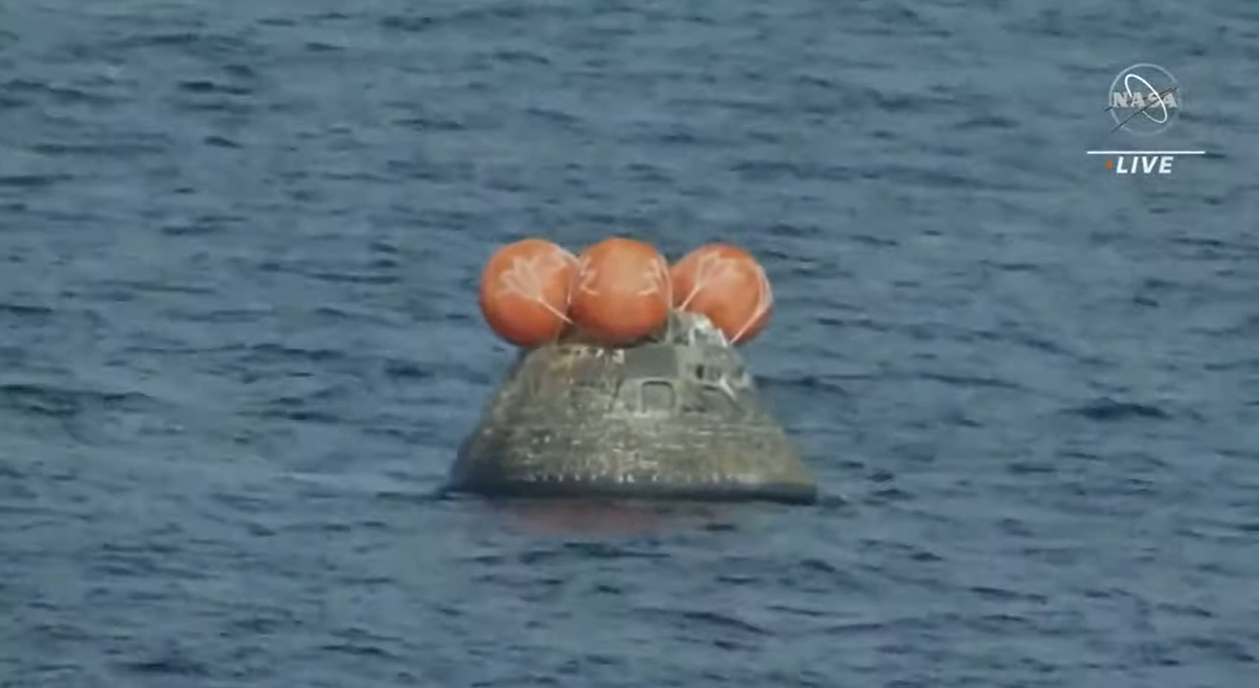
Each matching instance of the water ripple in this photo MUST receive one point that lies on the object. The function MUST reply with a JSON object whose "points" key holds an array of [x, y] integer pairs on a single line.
{"points": [[240, 244]]}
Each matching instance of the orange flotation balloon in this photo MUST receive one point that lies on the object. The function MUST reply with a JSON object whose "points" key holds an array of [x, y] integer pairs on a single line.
{"points": [[728, 286], [622, 290], [525, 291]]}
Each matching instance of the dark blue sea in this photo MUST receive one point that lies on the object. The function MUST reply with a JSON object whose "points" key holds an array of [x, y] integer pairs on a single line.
{"points": [[240, 343]]}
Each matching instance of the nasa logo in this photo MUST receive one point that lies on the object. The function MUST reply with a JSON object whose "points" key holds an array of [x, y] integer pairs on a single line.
{"points": [[1144, 99]]}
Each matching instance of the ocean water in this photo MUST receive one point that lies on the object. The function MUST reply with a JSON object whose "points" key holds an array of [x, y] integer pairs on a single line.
{"points": [[239, 342]]}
